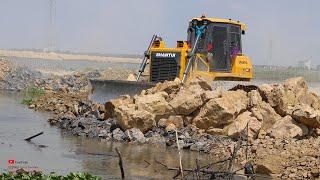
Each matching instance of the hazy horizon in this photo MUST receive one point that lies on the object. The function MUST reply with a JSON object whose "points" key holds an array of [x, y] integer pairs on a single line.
{"points": [[279, 33]]}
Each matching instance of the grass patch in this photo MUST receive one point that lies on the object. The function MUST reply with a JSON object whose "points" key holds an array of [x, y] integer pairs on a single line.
{"points": [[52, 176], [31, 94]]}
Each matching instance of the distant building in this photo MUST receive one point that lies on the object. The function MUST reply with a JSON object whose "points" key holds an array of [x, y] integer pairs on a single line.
{"points": [[318, 67], [304, 64], [45, 50]]}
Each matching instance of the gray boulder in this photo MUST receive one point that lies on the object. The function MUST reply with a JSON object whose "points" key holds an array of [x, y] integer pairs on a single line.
{"points": [[118, 135], [135, 135]]}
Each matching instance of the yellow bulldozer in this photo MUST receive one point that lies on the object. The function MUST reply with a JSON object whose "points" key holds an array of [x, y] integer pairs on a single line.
{"points": [[213, 51]]}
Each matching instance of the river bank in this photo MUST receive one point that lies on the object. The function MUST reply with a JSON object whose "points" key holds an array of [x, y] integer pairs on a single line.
{"points": [[63, 153], [66, 98], [296, 143]]}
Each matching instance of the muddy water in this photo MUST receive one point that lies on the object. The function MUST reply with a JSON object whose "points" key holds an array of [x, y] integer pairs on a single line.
{"points": [[64, 153]]}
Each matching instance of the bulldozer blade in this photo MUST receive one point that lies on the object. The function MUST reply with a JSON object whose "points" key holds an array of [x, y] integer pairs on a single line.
{"points": [[104, 90]]}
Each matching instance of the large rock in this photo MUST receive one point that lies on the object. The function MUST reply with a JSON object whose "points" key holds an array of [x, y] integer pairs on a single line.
{"points": [[266, 114], [128, 116], [135, 135], [155, 104], [270, 165], [204, 84], [222, 111], [118, 135], [114, 103], [208, 95], [254, 98], [262, 110], [284, 97], [187, 100], [171, 127], [241, 122], [288, 128], [307, 115], [176, 120], [266, 92], [311, 99], [283, 100], [167, 86], [297, 85]]}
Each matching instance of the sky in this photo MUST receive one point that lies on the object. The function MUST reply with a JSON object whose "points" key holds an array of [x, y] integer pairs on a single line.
{"points": [[280, 32]]}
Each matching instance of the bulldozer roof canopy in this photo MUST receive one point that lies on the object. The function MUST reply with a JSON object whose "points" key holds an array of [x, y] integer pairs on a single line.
{"points": [[227, 21]]}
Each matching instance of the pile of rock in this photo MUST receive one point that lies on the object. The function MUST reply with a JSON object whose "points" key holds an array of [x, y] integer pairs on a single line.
{"points": [[282, 120], [285, 110], [68, 104], [76, 82], [5, 67], [18, 78], [74, 112], [81, 117]]}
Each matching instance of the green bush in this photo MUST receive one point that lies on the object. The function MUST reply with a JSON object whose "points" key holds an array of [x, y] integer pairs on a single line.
{"points": [[23, 175], [31, 94], [26, 101]]}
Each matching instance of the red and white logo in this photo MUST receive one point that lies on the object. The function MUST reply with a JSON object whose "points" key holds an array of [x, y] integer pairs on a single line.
{"points": [[11, 161]]}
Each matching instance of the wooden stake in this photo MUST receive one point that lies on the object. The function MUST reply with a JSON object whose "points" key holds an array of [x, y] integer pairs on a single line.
{"points": [[180, 159], [120, 163], [198, 169]]}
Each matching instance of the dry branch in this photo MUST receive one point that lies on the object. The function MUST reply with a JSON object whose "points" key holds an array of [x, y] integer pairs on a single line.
{"points": [[36, 135]]}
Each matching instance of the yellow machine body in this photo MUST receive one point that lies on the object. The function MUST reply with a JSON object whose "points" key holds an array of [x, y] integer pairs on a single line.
{"points": [[241, 68]]}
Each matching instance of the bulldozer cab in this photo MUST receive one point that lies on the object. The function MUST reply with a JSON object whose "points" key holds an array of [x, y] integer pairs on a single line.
{"points": [[220, 42]]}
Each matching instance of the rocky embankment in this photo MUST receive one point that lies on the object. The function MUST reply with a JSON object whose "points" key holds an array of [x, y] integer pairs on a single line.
{"points": [[283, 121], [17, 78], [280, 122]]}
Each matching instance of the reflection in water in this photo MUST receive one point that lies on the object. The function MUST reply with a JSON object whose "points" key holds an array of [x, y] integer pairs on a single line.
{"points": [[139, 160], [18, 122]]}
